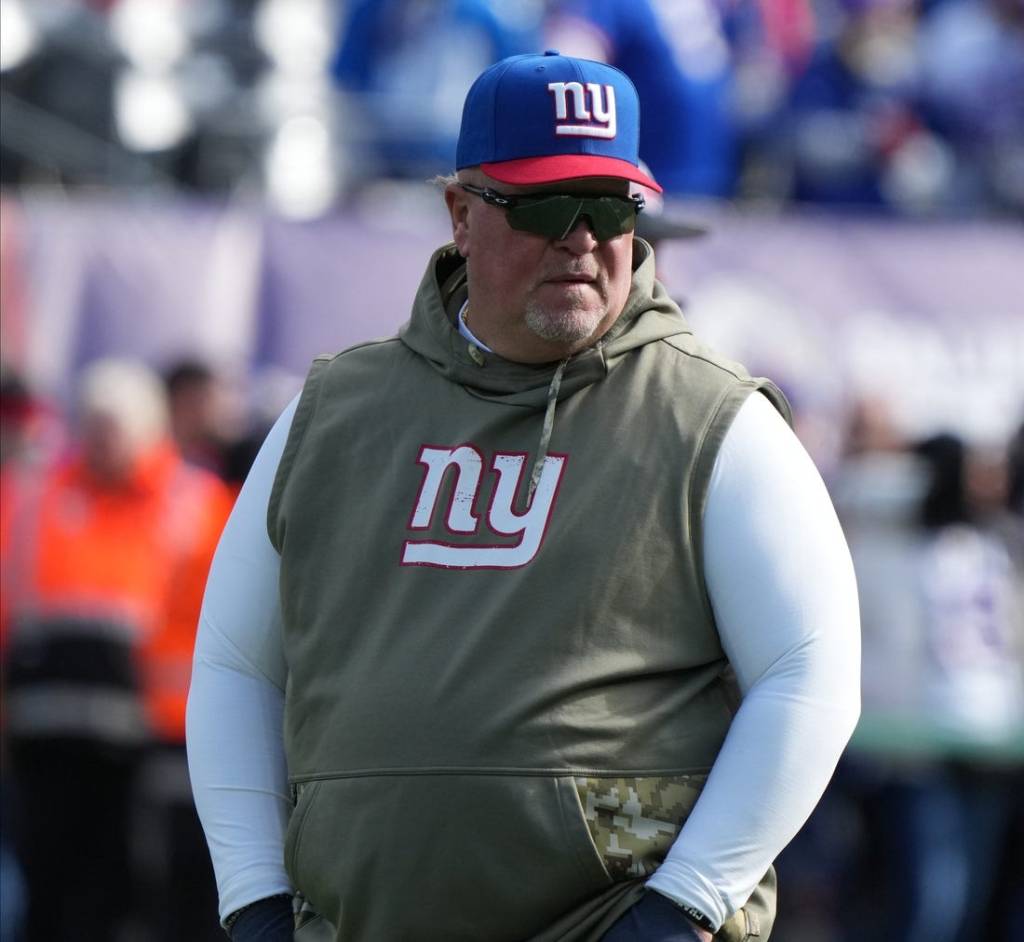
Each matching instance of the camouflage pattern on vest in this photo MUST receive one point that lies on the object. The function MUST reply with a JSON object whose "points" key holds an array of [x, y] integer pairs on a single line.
{"points": [[634, 821]]}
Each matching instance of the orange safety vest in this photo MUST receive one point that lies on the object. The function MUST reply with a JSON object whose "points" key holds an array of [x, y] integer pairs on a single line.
{"points": [[137, 553]]}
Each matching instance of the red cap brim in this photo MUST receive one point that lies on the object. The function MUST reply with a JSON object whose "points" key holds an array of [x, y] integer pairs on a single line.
{"points": [[531, 170]]}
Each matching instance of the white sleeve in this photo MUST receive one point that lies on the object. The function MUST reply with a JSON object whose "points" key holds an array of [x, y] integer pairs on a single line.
{"points": [[236, 701], [782, 586]]}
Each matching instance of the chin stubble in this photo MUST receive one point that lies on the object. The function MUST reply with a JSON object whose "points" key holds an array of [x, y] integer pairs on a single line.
{"points": [[567, 325]]}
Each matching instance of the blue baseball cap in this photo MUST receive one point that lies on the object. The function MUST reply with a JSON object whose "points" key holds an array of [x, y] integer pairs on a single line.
{"points": [[545, 118]]}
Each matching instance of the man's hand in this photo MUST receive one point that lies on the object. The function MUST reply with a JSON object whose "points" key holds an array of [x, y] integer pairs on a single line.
{"points": [[268, 920], [656, 919]]}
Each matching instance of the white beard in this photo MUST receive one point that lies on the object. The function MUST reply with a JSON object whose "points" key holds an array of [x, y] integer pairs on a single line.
{"points": [[568, 325]]}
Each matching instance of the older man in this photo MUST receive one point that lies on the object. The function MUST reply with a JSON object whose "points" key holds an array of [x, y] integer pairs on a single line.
{"points": [[553, 632]]}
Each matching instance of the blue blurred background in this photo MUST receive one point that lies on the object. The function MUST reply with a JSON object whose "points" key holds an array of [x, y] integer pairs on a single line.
{"points": [[212, 192]]}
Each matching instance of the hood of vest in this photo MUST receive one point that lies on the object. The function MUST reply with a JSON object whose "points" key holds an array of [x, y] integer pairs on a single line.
{"points": [[648, 315]]}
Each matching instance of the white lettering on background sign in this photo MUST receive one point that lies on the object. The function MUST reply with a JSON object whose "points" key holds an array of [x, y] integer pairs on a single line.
{"points": [[462, 519], [592, 103]]}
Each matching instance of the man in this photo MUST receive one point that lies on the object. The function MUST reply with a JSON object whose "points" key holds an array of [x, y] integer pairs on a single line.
{"points": [[522, 561], [200, 412]]}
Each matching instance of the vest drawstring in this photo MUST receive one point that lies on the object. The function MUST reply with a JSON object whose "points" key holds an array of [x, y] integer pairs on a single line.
{"points": [[549, 424]]}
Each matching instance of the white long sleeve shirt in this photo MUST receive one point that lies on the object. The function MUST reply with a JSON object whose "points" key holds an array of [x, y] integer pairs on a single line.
{"points": [[782, 587]]}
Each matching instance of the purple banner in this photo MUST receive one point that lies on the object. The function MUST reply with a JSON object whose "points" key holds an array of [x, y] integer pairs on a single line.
{"points": [[927, 315]]}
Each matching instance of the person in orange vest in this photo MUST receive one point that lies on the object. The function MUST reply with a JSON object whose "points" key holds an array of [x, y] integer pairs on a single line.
{"points": [[104, 559]]}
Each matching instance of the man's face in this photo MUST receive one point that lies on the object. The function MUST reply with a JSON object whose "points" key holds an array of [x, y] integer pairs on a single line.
{"points": [[107, 447], [534, 299]]}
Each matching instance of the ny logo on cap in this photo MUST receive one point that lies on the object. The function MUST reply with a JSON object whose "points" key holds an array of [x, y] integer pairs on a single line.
{"points": [[599, 115]]}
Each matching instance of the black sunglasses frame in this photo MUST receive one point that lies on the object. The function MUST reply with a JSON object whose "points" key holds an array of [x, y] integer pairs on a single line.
{"points": [[609, 215]]}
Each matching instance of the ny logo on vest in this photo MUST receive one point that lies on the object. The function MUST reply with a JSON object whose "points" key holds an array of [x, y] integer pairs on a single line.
{"points": [[593, 104], [462, 519]]}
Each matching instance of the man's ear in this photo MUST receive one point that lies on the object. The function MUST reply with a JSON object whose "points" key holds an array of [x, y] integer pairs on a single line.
{"points": [[457, 202]]}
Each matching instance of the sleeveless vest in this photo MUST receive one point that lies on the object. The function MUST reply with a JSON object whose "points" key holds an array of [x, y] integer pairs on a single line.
{"points": [[485, 682]]}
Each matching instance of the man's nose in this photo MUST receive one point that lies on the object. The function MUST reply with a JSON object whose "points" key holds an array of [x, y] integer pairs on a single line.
{"points": [[581, 239]]}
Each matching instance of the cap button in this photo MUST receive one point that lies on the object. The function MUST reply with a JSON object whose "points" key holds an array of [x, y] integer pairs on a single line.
{"points": [[551, 52]]}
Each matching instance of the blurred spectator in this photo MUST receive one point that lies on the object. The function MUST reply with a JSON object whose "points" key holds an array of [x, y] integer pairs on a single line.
{"points": [[199, 414], [855, 132], [972, 90], [28, 427], [17, 406], [408, 65], [783, 31], [677, 56], [104, 561], [772, 42], [877, 493], [16, 409], [30, 434], [934, 765], [946, 825], [1007, 907], [271, 389], [971, 586]]}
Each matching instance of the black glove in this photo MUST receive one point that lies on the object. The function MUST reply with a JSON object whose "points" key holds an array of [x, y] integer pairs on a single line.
{"points": [[267, 920], [655, 918]]}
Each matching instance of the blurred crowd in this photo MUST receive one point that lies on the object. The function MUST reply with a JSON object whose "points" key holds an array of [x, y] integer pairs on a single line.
{"points": [[919, 834], [109, 517], [910, 107]]}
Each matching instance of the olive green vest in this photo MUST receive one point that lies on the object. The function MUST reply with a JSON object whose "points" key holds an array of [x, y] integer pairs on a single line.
{"points": [[500, 708]]}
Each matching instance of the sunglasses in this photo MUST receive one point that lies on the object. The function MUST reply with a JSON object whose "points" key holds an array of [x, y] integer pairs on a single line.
{"points": [[556, 215]]}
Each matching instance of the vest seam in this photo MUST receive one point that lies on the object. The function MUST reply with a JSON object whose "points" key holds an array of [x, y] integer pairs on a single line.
{"points": [[378, 342], [306, 409], [738, 374]]}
